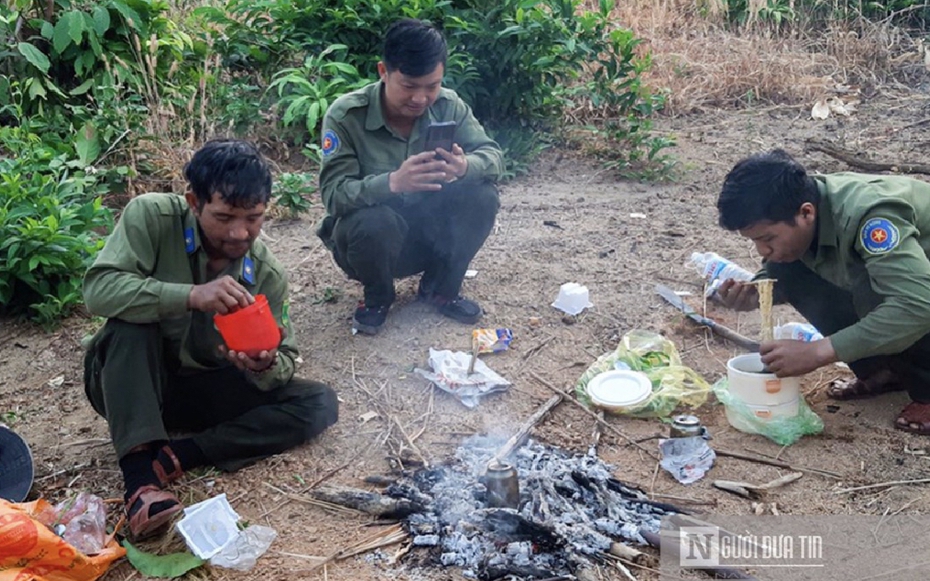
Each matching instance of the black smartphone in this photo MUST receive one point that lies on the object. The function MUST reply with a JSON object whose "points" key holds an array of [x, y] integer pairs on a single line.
{"points": [[440, 134]]}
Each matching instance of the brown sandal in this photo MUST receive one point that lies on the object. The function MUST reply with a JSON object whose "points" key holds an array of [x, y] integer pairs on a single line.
{"points": [[166, 478], [142, 525], [914, 418]]}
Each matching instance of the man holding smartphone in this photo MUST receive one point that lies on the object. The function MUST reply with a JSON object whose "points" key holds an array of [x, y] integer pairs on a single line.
{"points": [[396, 205]]}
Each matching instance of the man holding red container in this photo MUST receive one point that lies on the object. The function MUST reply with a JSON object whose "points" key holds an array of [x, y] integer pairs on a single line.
{"points": [[159, 364]]}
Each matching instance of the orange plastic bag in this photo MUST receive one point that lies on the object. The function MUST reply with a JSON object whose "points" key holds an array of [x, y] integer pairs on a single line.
{"points": [[29, 551]]}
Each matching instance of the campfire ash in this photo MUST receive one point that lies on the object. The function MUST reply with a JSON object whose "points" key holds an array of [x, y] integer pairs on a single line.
{"points": [[571, 512]]}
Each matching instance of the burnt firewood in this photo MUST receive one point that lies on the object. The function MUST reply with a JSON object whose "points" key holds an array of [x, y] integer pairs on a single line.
{"points": [[492, 572], [406, 489], [634, 494], [513, 526], [627, 552], [369, 502], [378, 480]]}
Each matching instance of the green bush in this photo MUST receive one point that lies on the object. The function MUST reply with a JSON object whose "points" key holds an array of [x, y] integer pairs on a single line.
{"points": [[293, 192], [521, 64], [51, 217], [305, 92], [267, 35], [63, 48]]}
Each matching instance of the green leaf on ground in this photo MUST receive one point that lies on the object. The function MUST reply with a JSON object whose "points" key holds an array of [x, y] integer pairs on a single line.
{"points": [[164, 566]]}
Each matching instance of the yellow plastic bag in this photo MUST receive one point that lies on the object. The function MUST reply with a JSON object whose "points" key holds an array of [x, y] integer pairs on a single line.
{"points": [[29, 551], [673, 384]]}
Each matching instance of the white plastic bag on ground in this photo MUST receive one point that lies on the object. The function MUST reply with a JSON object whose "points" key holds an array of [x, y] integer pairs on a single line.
{"points": [[449, 372], [687, 459], [242, 553], [211, 530]]}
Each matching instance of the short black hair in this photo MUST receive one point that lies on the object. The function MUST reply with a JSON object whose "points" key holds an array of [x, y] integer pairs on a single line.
{"points": [[233, 168], [413, 47], [768, 186]]}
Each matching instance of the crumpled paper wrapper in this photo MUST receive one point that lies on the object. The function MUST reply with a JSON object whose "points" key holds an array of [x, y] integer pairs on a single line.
{"points": [[449, 372]]}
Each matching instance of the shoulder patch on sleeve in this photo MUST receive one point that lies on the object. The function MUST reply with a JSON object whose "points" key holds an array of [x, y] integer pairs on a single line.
{"points": [[330, 142], [879, 235]]}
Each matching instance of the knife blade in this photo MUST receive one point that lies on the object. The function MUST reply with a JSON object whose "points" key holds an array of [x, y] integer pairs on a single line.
{"points": [[725, 332]]}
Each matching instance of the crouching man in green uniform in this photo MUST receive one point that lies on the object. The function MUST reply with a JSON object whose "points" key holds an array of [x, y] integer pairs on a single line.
{"points": [[158, 364], [393, 209], [850, 253]]}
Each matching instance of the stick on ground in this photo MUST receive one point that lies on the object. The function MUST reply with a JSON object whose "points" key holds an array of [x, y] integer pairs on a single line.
{"points": [[857, 161], [777, 464], [884, 485], [475, 347], [517, 439]]}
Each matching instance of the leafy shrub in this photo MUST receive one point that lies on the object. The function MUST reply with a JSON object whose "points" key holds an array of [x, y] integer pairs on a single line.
{"points": [[50, 214], [65, 46], [293, 191], [305, 93], [535, 62], [521, 64], [266, 35]]}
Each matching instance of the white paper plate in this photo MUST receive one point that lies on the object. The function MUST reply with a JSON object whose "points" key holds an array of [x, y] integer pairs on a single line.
{"points": [[619, 388]]}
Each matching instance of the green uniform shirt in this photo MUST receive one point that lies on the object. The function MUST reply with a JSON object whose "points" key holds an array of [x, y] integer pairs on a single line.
{"points": [[145, 273], [873, 239], [360, 150]]}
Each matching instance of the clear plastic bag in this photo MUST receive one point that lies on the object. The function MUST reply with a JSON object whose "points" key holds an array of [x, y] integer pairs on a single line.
{"points": [[250, 544], [673, 384], [782, 430], [81, 521]]}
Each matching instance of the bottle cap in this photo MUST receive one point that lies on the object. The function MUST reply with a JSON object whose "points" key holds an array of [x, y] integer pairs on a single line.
{"points": [[686, 421]]}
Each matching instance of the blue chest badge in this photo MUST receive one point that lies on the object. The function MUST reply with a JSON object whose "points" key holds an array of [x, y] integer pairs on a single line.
{"points": [[189, 240], [248, 270], [879, 235], [330, 142]]}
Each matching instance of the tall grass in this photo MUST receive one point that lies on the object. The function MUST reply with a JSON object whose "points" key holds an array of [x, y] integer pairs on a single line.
{"points": [[704, 59]]}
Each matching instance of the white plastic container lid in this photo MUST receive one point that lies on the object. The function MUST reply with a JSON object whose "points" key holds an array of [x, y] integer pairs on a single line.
{"points": [[209, 526], [619, 388]]}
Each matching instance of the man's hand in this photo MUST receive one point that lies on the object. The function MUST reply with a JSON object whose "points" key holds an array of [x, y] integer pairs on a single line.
{"points": [[222, 295], [456, 160], [738, 295], [788, 358], [422, 173], [258, 363]]}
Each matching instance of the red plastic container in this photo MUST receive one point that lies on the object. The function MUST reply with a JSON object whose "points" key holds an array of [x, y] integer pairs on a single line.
{"points": [[251, 330]]}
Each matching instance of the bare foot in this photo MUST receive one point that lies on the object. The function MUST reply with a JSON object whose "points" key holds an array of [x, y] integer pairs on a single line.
{"points": [[884, 381], [915, 418]]}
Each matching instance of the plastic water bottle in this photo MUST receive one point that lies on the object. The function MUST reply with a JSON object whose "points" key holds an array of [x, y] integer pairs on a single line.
{"points": [[715, 269], [797, 331]]}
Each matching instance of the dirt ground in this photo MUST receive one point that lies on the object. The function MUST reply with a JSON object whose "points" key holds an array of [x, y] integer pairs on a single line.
{"points": [[597, 243]]}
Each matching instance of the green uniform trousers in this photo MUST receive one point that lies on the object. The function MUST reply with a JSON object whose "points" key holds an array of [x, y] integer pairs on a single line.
{"points": [[437, 234], [129, 382], [831, 308]]}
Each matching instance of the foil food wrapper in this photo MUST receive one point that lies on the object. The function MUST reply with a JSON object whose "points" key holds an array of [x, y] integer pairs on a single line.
{"points": [[491, 340]]}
